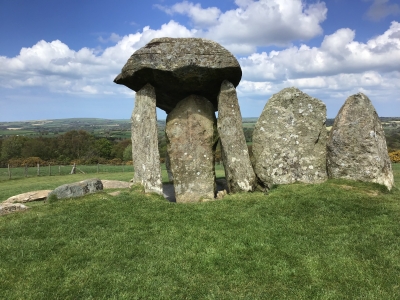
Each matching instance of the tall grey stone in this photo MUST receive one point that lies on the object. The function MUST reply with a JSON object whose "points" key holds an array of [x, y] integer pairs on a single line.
{"points": [[179, 67], [357, 146], [191, 140], [238, 169], [289, 139], [145, 154]]}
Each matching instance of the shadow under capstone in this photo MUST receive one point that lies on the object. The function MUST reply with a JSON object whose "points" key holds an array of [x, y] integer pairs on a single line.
{"points": [[169, 191]]}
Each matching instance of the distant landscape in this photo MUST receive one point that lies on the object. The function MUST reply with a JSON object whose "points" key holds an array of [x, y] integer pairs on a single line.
{"points": [[91, 140]]}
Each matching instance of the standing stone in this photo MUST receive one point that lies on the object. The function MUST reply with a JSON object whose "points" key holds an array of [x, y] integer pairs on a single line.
{"points": [[238, 170], [191, 140], [357, 146], [145, 154], [289, 139]]}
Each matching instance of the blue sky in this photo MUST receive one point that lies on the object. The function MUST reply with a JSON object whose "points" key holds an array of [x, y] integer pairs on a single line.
{"points": [[58, 59]]}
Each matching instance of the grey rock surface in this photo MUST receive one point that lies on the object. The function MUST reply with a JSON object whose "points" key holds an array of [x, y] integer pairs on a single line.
{"points": [[145, 154], [356, 146], [289, 139], [238, 169], [7, 208], [115, 184], [28, 197], [191, 140], [179, 67], [77, 189]]}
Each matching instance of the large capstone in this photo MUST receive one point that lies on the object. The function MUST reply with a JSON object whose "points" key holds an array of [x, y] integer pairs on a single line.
{"points": [[145, 154], [238, 169], [191, 140], [289, 139], [179, 67], [357, 146]]}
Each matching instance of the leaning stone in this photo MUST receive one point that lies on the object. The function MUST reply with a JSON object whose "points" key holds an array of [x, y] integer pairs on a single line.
{"points": [[7, 208], [145, 154], [28, 197], [357, 146], [289, 140], [179, 67], [77, 189], [238, 169], [191, 140]]}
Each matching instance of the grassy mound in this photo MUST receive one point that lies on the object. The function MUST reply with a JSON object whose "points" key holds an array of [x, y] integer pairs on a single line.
{"points": [[336, 240]]}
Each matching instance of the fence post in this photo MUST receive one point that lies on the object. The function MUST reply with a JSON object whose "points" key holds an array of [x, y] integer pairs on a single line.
{"points": [[97, 168], [123, 168], [49, 170], [59, 170], [38, 169], [9, 172], [26, 170]]}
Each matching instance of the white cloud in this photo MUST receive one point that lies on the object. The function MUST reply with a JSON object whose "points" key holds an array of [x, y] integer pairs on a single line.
{"points": [[200, 17], [112, 38], [339, 53], [255, 23], [380, 9], [58, 68]]}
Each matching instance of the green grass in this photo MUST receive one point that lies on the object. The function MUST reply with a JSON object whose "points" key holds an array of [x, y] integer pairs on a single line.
{"points": [[336, 240], [91, 170], [20, 184]]}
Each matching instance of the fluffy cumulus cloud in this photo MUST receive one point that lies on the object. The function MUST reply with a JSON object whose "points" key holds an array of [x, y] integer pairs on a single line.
{"points": [[335, 69], [338, 68], [55, 66], [338, 54], [255, 23]]}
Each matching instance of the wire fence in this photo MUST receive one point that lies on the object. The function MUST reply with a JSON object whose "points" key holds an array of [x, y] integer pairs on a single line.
{"points": [[58, 170]]}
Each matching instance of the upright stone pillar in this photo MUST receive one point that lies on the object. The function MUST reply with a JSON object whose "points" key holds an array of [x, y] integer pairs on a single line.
{"points": [[145, 154], [289, 139], [238, 169], [191, 140], [357, 145]]}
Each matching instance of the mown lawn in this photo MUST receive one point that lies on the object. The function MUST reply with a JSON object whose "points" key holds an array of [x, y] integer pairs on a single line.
{"points": [[336, 240]]}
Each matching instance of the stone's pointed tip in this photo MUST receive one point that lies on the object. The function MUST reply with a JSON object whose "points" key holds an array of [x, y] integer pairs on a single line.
{"points": [[226, 85], [118, 79]]}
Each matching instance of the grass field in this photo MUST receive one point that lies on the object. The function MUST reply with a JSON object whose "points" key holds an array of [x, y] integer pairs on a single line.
{"points": [[91, 170], [336, 240]]}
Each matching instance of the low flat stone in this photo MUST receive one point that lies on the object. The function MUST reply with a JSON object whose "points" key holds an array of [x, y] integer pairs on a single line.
{"points": [[7, 208], [115, 184], [356, 147], [28, 197], [77, 189], [179, 67]]}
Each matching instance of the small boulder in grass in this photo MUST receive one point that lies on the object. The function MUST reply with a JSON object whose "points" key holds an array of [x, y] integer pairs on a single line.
{"points": [[77, 189], [7, 208]]}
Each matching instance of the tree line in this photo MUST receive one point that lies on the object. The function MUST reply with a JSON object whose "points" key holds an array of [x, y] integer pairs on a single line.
{"points": [[75, 146]]}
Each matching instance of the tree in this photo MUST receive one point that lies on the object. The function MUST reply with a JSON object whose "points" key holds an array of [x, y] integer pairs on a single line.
{"points": [[119, 148], [75, 144], [12, 147], [128, 153], [103, 148]]}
